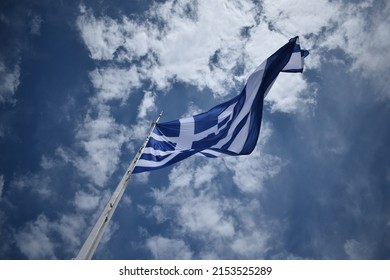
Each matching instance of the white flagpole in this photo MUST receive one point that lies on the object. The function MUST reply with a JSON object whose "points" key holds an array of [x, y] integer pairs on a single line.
{"points": [[97, 231]]}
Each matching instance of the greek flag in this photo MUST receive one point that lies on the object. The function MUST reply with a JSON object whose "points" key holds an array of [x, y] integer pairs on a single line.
{"points": [[231, 128]]}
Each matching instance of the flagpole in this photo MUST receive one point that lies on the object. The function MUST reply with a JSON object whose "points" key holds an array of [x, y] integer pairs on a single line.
{"points": [[96, 234]]}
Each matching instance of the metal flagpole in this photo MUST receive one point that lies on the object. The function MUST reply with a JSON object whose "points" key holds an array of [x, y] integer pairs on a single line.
{"points": [[96, 234]]}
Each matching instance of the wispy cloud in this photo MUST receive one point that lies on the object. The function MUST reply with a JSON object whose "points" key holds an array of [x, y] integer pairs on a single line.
{"points": [[168, 249], [147, 105], [251, 172], [100, 154], [39, 239], [101, 37], [86, 201], [114, 83], [35, 25], [356, 250], [364, 37], [34, 241], [9, 82], [38, 183]]}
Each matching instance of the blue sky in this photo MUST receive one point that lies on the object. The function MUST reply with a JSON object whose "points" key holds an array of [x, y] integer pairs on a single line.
{"points": [[81, 81]]}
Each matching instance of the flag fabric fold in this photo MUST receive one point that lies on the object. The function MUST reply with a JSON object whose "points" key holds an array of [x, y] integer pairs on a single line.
{"points": [[230, 128]]}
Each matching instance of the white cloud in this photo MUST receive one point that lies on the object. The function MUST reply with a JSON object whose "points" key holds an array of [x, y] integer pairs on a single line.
{"points": [[301, 17], [100, 139], [69, 227], [250, 245], [34, 240], [141, 128], [198, 211], [114, 83], [102, 37], [205, 215], [38, 239], [185, 51], [9, 82], [170, 249], [147, 105], [86, 201], [290, 95], [204, 174], [35, 25], [143, 178], [47, 163], [356, 250], [363, 31], [108, 234], [250, 172], [39, 183]]}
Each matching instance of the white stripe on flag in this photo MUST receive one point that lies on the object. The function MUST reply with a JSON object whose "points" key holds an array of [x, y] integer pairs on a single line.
{"points": [[252, 87]]}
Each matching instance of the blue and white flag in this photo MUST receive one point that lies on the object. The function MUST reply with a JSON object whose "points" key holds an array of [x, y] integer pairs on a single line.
{"points": [[230, 128]]}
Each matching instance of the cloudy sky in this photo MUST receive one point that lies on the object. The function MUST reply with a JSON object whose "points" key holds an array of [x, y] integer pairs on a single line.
{"points": [[81, 81]]}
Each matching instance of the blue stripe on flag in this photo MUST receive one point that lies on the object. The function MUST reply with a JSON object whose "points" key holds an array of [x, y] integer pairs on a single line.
{"points": [[152, 157], [161, 145], [169, 129]]}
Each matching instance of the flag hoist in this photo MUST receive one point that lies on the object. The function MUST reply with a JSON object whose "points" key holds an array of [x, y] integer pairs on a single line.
{"points": [[228, 129]]}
